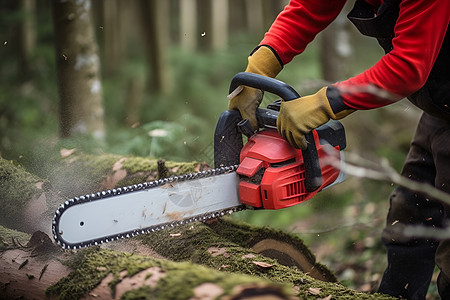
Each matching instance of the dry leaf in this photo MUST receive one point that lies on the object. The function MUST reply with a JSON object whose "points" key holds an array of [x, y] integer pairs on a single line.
{"points": [[248, 256], [119, 164], [262, 264], [118, 174], [66, 152], [214, 251], [207, 291], [175, 234], [101, 269], [314, 291]]}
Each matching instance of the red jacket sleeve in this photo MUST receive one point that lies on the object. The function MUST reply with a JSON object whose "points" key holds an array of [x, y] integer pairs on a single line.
{"points": [[298, 24], [419, 33]]}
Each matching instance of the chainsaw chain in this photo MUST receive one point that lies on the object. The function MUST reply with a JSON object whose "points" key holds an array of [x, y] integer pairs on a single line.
{"points": [[135, 188]]}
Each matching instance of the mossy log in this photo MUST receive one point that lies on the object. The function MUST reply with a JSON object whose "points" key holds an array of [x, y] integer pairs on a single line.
{"points": [[28, 202], [223, 259]]}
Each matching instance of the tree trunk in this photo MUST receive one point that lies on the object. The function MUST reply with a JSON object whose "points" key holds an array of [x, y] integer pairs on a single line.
{"points": [[335, 50], [205, 24], [78, 66], [112, 36], [254, 16], [133, 99], [238, 15], [27, 34], [188, 24], [219, 32], [155, 30]]}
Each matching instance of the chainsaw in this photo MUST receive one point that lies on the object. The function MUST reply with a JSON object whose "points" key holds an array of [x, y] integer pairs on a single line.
{"points": [[265, 173]]}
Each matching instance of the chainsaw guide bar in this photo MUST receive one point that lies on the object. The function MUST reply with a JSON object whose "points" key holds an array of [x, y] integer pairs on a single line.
{"points": [[129, 211]]}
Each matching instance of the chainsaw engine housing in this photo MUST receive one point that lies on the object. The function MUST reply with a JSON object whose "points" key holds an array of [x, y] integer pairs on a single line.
{"points": [[272, 172]]}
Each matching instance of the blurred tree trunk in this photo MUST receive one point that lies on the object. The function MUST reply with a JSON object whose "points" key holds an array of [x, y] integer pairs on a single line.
{"points": [[271, 9], [335, 50], [78, 66], [112, 36], [27, 34], [155, 30], [238, 16], [219, 15], [205, 24], [254, 16], [188, 24]]}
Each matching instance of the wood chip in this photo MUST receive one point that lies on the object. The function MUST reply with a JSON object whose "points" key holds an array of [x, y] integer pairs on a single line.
{"points": [[215, 251], [66, 152], [314, 291], [262, 264]]}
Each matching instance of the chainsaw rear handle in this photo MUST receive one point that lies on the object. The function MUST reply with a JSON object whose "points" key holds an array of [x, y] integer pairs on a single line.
{"points": [[313, 171]]}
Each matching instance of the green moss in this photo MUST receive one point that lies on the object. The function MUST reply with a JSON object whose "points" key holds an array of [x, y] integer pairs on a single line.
{"points": [[143, 293], [10, 239], [140, 164], [224, 246], [17, 187], [93, 264], [177, 168]]}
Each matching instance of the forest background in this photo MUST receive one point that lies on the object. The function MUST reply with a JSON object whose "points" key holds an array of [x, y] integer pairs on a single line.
{"points": [[164, 68]]}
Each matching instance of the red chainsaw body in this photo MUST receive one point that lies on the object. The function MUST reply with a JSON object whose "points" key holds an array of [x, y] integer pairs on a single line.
{"points": [[272, 171]]}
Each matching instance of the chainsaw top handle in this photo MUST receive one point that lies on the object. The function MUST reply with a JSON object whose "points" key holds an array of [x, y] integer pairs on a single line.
{"points": [[313, 171]]}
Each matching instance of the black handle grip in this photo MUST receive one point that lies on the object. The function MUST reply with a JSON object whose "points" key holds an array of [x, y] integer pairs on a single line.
{"points": [[313, 171], [271, 85]]}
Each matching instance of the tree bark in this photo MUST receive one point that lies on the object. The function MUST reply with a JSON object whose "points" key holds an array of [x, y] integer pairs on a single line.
{"points": [[205, 24], [188, 24], [335, 50], [254, 16], [78, 66], [112, 36], [27, 34], [219, 30], [155, 30]]}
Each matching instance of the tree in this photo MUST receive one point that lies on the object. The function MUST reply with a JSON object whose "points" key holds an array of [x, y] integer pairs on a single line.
{"points": [[188, 24], [219, 15], [335, 49], [27, 34], [155, 30], [78, 66]]}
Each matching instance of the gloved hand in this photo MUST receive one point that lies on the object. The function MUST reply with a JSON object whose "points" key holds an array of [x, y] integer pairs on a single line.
{"points": [[298, 117], [263, 62]]}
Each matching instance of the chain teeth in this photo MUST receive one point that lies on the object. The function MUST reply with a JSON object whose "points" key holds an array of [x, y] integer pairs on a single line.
{"points": [[139, 187]]}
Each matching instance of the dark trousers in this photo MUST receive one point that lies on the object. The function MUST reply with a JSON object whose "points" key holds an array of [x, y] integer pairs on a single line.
{"points": [[411, 261]]}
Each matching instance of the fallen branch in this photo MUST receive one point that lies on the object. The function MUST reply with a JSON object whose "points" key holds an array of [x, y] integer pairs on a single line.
{"points": [[357, 166]]}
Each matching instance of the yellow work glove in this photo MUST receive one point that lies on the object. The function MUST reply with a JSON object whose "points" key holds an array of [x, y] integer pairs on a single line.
{"points": [[263, 62], [298, 117]]}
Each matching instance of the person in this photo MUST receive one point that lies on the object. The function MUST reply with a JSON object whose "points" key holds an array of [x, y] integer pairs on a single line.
{"points": [[416, 65]]}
